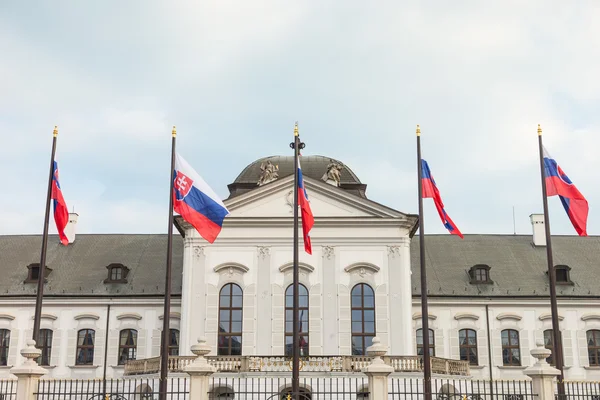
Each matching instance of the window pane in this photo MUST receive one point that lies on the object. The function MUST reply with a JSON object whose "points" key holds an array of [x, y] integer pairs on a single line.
{"points": [[236, 315], [369, 301], [368, 341], [369, 327], [289, 315], [236, 345], [420, 336], [224, 318], [236, 327], [236, 301], [236, 290], [357, 327], [289, 327], [357, 290], [289, 301], [304, 316], [303, 301], [226, 290], [368, 291], [357, 345], [504, 338], [463, 353], [514, 337], [225, 301], [516, 355], [369, 315], [473, 356], [356, 301], [462, 336], [356, 316]]}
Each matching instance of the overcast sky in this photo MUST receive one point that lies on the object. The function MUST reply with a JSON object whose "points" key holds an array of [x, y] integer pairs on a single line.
{"points": [[358, 76]]}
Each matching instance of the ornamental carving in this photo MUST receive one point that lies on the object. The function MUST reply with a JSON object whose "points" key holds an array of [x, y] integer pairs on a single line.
{"points": [[263, 251], [289, 200], [198, 251], [394, 251], [327, 252]]}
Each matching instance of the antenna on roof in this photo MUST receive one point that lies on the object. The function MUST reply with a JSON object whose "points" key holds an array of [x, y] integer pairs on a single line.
{"points": [[514, 223]]}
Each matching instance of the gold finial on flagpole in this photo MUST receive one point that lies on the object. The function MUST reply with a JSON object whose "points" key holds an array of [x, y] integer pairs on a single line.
{"points": [[539, 130], [174, 132], [418, 130], [55, 132], [296, 129]]}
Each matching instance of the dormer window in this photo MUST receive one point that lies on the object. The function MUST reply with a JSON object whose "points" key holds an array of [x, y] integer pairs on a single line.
{"points": [[480, 274], [117, 273], [563, 275], [33, 273]]}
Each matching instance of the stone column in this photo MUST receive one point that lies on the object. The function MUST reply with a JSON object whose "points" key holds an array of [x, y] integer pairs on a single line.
{"points": [[330, 303], [378, 371], [29, 373], [542, 374], [400, 299], [263, 302], [199, 371], [193, 294]]}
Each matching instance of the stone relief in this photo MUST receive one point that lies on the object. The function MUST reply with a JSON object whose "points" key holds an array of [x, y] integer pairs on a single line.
{"points": [[394, 251], [264, 251], [289, 200], [328, 252], [334, 173], [268, 173], [198, 251]]}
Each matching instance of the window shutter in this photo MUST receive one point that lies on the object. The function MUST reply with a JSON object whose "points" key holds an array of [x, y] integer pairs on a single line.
{"points": [[71, 347], [156, 340], [524, 345], [315, 341], [249, 318], [56, 347], [99, 342], [278, 321], [439, 343], [345, 336], [454, 345], [497, 348], [482, 347], [14, 347], [567, 337], [141, 345], [381, 315], [584, 359]]}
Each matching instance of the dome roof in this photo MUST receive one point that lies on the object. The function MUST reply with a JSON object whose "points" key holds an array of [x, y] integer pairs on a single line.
{"points": [[314, 167]]}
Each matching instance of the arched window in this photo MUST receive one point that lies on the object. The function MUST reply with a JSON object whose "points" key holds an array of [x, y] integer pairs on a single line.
{"points": [[85, 347], [174, 342], [127, 345], [4, 346], [420, 342], [467, 341], [230, 320], [45, 345], [302, 320], [363, 318], [593, 342], [549, 344], [511, 352]]}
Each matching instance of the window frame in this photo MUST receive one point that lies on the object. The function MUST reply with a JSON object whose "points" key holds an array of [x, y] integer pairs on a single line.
{"points": [[45, 338], [478, 268], [36, 267], [549, 346], [511, 346], [4, 346], [431, 342], [128, 347], [567, 271], [114, 267], [229, 310], [303, 333], [468, 346], [84, 347], [174, 348], [363, 335], [596, 348]]}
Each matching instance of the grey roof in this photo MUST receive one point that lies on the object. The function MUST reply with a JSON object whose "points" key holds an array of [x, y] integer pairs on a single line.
{"points": [[312, 166], [80, 267], [517, 267]]}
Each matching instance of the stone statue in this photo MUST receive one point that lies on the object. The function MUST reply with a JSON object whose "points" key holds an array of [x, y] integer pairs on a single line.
{"points": [[268, 173], [334, 173]]}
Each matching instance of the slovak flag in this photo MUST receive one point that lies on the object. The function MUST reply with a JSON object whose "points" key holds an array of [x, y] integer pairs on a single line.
{"points": [[430, 190], [559, 184], [196, 202], [61, 213], [308, 220]]}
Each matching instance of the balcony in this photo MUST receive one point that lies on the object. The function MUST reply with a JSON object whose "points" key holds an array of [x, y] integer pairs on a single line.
{"points": [[235, 364]]}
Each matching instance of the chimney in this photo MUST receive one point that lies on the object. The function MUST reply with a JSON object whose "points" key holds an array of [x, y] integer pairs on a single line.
{"points": [[539, 229], [70, 228]]}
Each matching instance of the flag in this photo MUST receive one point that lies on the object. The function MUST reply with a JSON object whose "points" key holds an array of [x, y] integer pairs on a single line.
{"points": [[559, 184], [308, 220], [430, 190], [196, 202], [61, 213]]}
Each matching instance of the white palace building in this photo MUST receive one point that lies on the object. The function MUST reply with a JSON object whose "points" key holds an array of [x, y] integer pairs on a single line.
{"points": [[488, 294]]}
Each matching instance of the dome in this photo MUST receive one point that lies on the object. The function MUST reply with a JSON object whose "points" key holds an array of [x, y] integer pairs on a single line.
{"points": [[315, 167]]}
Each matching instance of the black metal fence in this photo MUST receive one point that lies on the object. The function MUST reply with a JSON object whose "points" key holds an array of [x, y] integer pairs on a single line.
{"points": [[580, 390], [8, 389], [461, 389], [263, 388], [113, 389]]}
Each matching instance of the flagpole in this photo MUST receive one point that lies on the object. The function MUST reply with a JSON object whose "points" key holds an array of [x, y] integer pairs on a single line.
{"points": [[42, 266], [424, 306], [297, 145], [166, 334], [557, 338]]}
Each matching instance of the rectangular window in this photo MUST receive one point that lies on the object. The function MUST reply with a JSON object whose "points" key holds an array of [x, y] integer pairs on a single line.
{"points": [[85, 347]]}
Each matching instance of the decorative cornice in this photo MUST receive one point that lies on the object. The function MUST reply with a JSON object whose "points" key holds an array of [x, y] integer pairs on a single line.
{"points": [[264, 251], [47, 316], [546, 316], [460, 316], [230, 268], [174, 315], [7, 316], [86, 316], [328, 252], [508, 315], [430, 316], [590, 316], [129, 316], [362, 268], [301, 266]]}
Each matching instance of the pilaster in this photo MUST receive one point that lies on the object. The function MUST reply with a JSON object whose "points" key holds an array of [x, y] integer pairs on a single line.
{"points": [[400, 298], [263, 301], [330, 303], [193, 293]]}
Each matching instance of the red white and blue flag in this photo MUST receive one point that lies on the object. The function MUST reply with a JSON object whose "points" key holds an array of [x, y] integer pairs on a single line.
{"points": [[308, 220], [196, 202], [61, 213], [559, 184], [430, 190]]}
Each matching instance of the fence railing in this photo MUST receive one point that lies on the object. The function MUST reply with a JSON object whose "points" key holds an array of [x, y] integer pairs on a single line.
{"points": [[439, 365], [8, 389], [580, 390], [113, 389], [332, 388], [461, 389]]}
